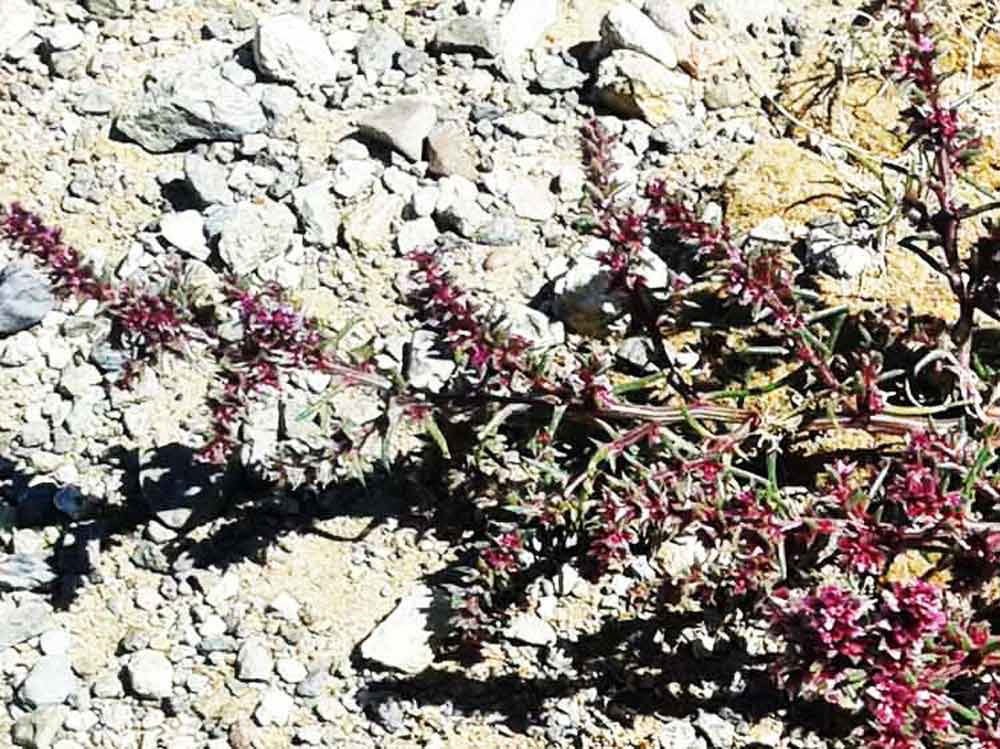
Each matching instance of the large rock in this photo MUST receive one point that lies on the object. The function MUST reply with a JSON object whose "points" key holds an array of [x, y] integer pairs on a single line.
{"points": [[369, 226], [184, 104], [403, 125], [627, 27], [403, 640], [19, 19], [635, 85], [287, 48], [25, 297], [318, 212]]}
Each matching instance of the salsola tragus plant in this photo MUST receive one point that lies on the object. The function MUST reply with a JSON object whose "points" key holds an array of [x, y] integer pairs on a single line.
{"points": [[875, 571]]}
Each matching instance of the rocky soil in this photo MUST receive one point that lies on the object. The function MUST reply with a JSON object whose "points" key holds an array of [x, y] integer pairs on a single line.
{"points": [[142, 604]]}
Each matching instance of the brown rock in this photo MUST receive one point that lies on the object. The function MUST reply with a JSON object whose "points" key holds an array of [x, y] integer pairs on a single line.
{"points": [[451, 152]]}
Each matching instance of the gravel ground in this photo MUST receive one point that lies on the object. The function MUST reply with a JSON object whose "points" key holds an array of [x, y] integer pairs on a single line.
{"points": [[316, 144]]}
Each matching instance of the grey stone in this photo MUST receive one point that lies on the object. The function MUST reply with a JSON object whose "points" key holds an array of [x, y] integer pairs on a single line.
{"points": [[278, 101], [318, 212], [500, 231], [315, 682], [186, 231], [726, 93], [533, 325], [18, 624], [25, 297], [251, 233], [627, 27], [26, 571], [193, 104], [38, 729], [468, 34], [450, 151], [403, 125], [19, 19], [109, 8], [150, 674], [531, 630], [49, 682], [678, 134], [207, 180], [457, 207], [377, 48], [275, 708], [254, 661], [35, 433], [287, 48], [553, 74], [402, 640], [148, 556]]}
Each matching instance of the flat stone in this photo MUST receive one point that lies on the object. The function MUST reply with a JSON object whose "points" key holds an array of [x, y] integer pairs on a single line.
{"points": [[109, 8], [370, 225], [287, 48], [25, 297], [18, 624], [403, 125], [402, 640], [254, 661]]}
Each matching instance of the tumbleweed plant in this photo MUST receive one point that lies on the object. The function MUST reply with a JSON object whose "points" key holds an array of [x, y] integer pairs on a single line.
{"points": [[873, 570]]}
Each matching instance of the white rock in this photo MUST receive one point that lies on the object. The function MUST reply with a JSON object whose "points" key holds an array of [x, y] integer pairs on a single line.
{"points": [[531, 629], [287, 48], [151, 674], [531, 198], [186, 232], [402, 640], [627, 27], [19, 19], [274, 708], [254, 661], [522, 28], [291, 670], [55, 642], [64, 36], [49, 682], [420, 233]]}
